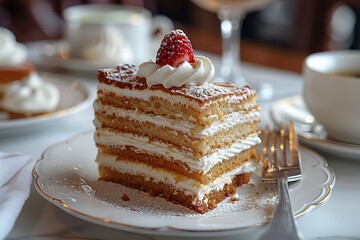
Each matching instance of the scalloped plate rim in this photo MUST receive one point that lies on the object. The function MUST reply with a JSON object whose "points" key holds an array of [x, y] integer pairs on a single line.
{"points": [[169, 230]]}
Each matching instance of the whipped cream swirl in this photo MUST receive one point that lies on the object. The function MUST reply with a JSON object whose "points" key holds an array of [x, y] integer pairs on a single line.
{"points": [[12, 53], [30, 95], [111, 45], [197, 73]]}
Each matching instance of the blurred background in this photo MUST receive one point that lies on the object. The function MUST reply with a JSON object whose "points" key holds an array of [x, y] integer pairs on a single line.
{"points": [[287, 29]]}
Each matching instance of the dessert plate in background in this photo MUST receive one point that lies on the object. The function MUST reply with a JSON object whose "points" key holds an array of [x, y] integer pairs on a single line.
{"points": [[54, 54], [67, 176], [310, 132], [74, 97]]}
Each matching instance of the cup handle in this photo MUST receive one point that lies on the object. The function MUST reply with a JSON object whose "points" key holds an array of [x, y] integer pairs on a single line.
{"points": [[160, 26]]}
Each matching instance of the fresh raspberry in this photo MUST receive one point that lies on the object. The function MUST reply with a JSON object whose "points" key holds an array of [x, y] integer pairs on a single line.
{"points": [[175, 48]]}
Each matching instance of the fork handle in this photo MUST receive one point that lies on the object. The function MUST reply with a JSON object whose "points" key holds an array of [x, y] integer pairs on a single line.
{"points": [[283, 224]]}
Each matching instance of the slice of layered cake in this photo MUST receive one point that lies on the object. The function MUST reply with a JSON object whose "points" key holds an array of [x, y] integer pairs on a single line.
{"points": [[165, 130]]}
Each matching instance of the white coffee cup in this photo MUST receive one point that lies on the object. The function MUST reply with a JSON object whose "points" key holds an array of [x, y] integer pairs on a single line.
{"points": [[93, 29], [332, 92]]}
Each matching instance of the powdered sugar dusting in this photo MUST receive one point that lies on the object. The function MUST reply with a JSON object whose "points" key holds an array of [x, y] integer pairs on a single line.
{"points": [[208, 91], [252, 197], [127, 74], [121, 73]]}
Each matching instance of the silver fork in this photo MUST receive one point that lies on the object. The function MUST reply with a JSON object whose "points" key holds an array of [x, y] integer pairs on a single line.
{"points": [[282, 153]]}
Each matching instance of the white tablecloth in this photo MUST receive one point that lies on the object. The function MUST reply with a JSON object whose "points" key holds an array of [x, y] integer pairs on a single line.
{"points": [[339, 217]]}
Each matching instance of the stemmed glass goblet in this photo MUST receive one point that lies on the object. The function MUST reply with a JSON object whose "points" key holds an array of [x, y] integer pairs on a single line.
{"points": [[231, 14]]}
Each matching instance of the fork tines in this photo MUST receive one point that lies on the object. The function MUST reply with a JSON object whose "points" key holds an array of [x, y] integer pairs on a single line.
{"points": [[281, 151]]}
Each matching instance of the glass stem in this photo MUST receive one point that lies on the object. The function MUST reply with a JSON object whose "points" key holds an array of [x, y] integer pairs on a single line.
{"points": [[230, 31]]}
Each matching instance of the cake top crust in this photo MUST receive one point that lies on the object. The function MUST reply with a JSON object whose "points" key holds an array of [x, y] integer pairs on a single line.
{"points": [[125, 76]]}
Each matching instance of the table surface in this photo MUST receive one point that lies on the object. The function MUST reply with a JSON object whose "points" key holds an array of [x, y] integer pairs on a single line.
{"points": [[337, 218]]}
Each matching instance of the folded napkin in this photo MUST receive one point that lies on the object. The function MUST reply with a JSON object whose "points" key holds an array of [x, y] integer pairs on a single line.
{"points": [[15, 182]]}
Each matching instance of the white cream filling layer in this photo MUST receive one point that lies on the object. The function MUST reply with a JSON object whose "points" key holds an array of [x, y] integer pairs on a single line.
{"points": [[142, 143], [145, 95], [184, 126], [190, 186]]}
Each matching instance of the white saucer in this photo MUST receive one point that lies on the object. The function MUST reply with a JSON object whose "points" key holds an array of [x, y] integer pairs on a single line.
{"points": [[54, 54], [67, 176], [74, 97], [310, 132]]}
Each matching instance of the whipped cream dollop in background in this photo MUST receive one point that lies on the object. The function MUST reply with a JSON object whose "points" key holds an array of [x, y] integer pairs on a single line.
{"points": [[108, 45], [197, 73], [30, 95], [12, 53]]}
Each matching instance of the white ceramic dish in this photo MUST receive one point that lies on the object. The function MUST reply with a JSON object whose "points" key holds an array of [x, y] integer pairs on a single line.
{"points": [[67, 177], [74, 97], [53, 54], [310, 132], [331, 92]]}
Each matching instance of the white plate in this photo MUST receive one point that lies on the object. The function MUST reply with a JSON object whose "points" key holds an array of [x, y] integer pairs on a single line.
{"points": [[74, 97], [310, 132], [67, 177], [53, 54]]}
